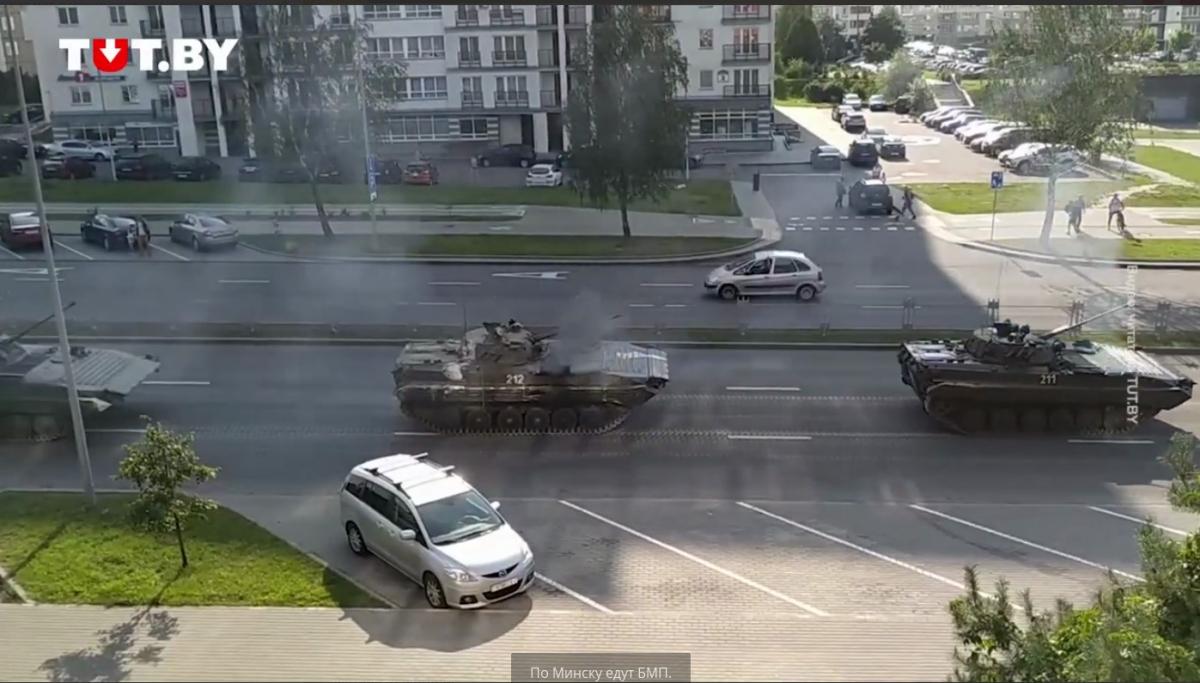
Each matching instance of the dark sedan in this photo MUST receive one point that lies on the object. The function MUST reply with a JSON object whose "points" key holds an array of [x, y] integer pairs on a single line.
{"points": [[9, 166], [197, 168], [892, 147], [509, 155], [110, 232], [143, 167], [68, 168]]}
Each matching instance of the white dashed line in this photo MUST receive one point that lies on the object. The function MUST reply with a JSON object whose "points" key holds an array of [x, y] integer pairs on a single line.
{"points": [[74, 251], [578, 596], [762, 388], [875, 228], [892, 228], [700, 561], [244, 282], [768, 437], [436, 303], [1123, 442], [501, 228], [169, 252], [823, 229], [1131, 518], [675, 306], [909, 228], [178, 382], [790, 229], [881, 286], [840, 228], [858, 228], [641, 305], [454, 284], [1031, 544], [807, 229]]}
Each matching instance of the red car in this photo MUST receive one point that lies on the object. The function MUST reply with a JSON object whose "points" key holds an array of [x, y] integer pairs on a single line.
{"points": [[23, 229], [420, 173]]}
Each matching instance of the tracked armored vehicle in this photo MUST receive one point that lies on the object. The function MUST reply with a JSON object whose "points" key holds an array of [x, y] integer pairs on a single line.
{"points": [[1005, 379], [33, 391], [503, 378]]}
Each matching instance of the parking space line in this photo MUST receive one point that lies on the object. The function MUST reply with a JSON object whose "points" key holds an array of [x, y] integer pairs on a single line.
{"points": [[11, 253], [1131, 518], [1031, 544], [436, 303], [454, 284], [178, 382], [768, 437], [641, 305], [244, 282], [74, 251], [700, 561], [578, 596], [858, 228], [745, 388], [675, 306], [168, 251], [823, 229]]}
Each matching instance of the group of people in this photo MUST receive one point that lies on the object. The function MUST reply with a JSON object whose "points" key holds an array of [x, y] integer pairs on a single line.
{"points": [[1075, 208], [907, 196]]}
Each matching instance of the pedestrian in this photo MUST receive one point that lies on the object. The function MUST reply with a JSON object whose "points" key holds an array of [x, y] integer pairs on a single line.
{"points": [[1116, 208], [840, 189], [907, 205], [143, 237], [136, 146]]}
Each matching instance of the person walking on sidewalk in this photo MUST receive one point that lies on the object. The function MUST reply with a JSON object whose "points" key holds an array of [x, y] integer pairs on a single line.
{"points": [[1116, 208], [907, 203], [143, 237], [840, 189]]}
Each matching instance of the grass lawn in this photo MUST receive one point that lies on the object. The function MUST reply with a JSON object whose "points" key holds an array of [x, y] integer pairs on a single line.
{"points": [[977, 197], [1146, 134], [1179, 164], [1162, 250], [1173, 196], [710, 197], [1186, 222], [798, 102], [494, 245], [61, 551]]}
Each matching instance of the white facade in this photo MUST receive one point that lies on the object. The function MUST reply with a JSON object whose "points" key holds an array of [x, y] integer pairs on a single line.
{"points": [[852, 18], [959, 24]]}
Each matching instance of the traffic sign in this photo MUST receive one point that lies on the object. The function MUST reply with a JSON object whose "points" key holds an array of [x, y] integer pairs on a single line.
{"points": [[997, 180]]}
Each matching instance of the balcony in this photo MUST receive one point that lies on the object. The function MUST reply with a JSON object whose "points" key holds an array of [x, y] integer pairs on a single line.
{"points": [[657, 12], [193, 27], [576, 15], [470, 59], [152, 29], [162, 111], [746, 52], [509, 58], [506, 98], [545, 16], [550, 99], [750, 90], [225, 27], [203, 110], [547, 59], [509, 18], [466, 18], [157, 75], [732, 13], [472, 100]]}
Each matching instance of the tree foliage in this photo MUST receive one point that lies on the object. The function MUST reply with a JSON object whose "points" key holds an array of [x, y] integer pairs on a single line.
{"points": [[1135, 633], [884, 35], [313, 96], [898, 77], [159, 465], [1058, 72], [626, 124], [1181, 40], [833, 43], [922, 96], [796, 35]]}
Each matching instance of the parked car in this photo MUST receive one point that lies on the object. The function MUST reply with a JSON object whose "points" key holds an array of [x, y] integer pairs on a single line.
{"points": [[893, 147], [902, 105], [974, 131], [68, 168], [854, 122], [110, 232], [420, 173], [80, 149], [825, 157], [1021, 150], [203, 232], [863, 153], [877, 103], [13, 148], [980, 144], [937, 118], [936, 111], [20, 229], [1010, 139], [543, 175], [508, 155], [959, 121], [876, 134], [197, 168], [143, 167], [768, 273], [972, 126], [10, 166], [1038, 159], [841, 110], [871, 196], [433, 527], [853, 100]]}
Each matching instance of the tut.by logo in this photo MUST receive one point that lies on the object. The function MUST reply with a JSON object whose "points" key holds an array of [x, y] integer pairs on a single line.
{"points": [[110, 55]]}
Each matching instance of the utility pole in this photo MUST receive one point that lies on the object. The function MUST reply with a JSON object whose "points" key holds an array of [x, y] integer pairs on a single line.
{"points": [[64, 346], [366, 135]]}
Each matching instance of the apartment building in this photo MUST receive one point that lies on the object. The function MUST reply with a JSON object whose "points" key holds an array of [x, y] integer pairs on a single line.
{"points": [[476, 75], [1163, 21], [22, 52], [853, 19], [959, 25]]}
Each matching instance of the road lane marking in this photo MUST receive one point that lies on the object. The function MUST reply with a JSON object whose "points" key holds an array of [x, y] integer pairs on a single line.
{"points": [[74, 251], [823, 229], [746, 388], [1129, 442], [790, 229], [578, 596], [840, 228], [1131, 518], [807, 229], [866, 551], [875, 228], [168, 251], [909, 228], [454, 284], [35, 279], [501, 228], [548, 275], [892, 228], [641, 305], [666, 284], [1031, 544], [178, 382], [436, 303], [414, 433], [768, 437], [675, 306], [11, 253], [244, 282], [857, 228], [700, 561], [881, 286]]}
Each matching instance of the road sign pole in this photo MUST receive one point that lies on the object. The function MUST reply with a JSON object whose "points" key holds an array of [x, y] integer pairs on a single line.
{"points": [[64, 345], [995, 200]]}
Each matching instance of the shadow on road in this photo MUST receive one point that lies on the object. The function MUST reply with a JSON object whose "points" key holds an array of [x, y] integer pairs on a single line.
{"points": [[440, 630]]}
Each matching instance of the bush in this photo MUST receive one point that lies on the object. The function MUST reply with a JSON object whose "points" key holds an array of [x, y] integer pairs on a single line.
{"points": [[834, 92], [815, 92], [782, 88]]}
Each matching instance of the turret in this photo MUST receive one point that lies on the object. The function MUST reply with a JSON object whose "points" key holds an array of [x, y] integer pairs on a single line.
{"points": [[1007, 343]]}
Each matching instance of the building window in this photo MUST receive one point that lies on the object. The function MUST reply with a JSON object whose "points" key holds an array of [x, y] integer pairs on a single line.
{"points": [[427, 47], [706, 79], [475, 129], [402, 11], [416, 128], [706, 39], [92, 133], [425, 88], [728, 125], [417, 47], [422, 11], [129, 94], [151, 136], [68, 16], [81, 94], [116, 14], [340, 16]]}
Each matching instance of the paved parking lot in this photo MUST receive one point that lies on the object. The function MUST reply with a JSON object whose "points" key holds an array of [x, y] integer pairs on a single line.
{"points": [[70, 247]]}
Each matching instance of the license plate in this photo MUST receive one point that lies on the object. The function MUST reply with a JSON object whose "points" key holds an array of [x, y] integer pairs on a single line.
{"points": [[505, 584]]}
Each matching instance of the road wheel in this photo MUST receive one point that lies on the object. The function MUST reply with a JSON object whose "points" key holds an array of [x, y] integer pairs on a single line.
{"points": [[434, 594], [974, 420], [108, 243], [1033, 420], [477, 420], [564, 419], [806, 293], [524, 163], [509, 420], [592, 417], [728, 292], [1062, 420], [1023, 167], [537, 420], [196, 246], [354, 537], [485, 162], [1089, 419], [1003, 420]]}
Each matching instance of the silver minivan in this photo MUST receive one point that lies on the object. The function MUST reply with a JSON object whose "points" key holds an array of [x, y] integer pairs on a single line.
{"points": [[434, 528], [768, 273]]}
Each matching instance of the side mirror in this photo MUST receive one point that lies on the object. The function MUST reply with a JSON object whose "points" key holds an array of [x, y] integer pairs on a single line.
{"points": [[495, 505], [407, 535]]}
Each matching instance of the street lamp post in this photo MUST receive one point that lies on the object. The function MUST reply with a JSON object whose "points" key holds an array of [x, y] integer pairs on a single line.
{"points": [[64, 346], [112, 153], [366, 135]]}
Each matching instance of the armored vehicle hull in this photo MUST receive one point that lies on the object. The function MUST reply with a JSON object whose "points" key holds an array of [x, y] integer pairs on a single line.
{"points": [[33, 393], [1080, 388], [504, 385]]}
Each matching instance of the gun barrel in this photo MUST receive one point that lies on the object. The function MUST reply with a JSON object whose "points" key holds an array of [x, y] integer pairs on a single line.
{"points": [[39, 323]]}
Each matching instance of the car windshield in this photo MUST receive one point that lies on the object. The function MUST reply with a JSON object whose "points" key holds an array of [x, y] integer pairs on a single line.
{"points": [[458, 518], [540, 170], [210, 222]]}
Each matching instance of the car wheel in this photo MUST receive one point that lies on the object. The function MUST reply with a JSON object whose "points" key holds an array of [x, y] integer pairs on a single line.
{"points": [[98, 157], [1023, 167], [354, 537], [434, 595], [83, 236], [806, 293], [196, 246], [108, 244], [728, 292], [485, 162]]}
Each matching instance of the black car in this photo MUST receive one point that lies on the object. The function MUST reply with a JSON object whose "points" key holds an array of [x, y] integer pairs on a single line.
{"points": [[143, 167], [13, 148], [68, 168], [197, 168], [902, 105], [9, 166], [892, 147], [388, 172], [509, 155], [110, 232], [871, 196], [863, 153], [825, 157]]}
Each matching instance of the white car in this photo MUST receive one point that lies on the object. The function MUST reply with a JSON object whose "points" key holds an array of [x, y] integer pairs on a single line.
{"points": [[543, 175], [853, 100], [80, 148], [1021, 151]]}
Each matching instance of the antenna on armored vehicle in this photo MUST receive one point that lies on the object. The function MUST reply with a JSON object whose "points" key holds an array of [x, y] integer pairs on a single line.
{"points": [[1074, 326], [38, 324]]}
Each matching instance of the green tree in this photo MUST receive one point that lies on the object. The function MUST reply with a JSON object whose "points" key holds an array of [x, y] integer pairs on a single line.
{"points": [[796, 35], [1058, 72], [1142, 632], [922, 96], [897, 78], [1181, 40], [313, 98], [833, 43], [884, 35], [626, 123], [159, 465]]}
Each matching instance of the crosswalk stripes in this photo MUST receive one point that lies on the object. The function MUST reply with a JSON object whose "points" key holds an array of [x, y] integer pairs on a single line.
{"points": [[802, 227]]}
